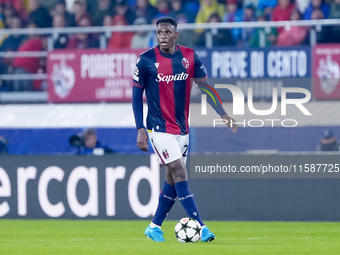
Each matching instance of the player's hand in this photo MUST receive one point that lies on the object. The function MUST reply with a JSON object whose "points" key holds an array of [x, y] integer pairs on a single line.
{"points": [[142, 139], [230, 122]]}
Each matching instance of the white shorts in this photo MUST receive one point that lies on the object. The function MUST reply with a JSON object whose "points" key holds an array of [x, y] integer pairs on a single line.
{"points": [[168, 147]]}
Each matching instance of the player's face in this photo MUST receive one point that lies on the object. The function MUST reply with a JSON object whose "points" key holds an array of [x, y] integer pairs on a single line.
{"points": [[166, 37]]}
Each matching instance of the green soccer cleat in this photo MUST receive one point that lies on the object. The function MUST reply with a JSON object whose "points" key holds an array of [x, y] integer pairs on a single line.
{"points": [[207, 235], [155, 234]]}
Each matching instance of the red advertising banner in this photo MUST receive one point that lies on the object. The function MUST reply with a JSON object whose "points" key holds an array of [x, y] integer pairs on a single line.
{"points": [[90, 75], [326, 71]]}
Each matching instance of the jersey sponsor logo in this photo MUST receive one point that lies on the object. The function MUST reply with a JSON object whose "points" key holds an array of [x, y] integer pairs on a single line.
{"points": [[165, 154], [157, 65], [174, 77], [185, 63]]}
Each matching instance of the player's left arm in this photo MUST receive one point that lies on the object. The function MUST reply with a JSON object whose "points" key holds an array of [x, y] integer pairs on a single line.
{"points": [[201, 79]]}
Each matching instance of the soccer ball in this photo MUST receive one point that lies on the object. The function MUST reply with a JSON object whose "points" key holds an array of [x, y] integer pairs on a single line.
{"points": [[188, 230]]}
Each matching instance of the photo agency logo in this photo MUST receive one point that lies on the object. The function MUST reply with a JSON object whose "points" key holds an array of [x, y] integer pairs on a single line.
{"points": [[239, 103]]}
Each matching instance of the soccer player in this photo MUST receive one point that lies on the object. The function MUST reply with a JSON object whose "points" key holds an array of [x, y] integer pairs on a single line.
{"points": [[166, 73]]}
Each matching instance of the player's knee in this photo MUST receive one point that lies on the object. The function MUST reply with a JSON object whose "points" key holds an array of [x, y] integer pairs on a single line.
{"points": [[178, 171], [181, 176]]}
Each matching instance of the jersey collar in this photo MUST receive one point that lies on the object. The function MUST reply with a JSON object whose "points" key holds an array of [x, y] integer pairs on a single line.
{"points": [[177, 51]]}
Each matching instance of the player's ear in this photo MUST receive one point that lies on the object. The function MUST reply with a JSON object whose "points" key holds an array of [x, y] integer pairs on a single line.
{"points": [[176, 34]]}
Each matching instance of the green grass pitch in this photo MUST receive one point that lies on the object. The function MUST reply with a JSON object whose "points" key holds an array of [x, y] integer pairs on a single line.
{"points": [[127, 237]]}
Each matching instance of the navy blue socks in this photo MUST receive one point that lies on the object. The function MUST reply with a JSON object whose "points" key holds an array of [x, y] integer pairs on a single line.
{"points": [[167, 199], [187, 200]]}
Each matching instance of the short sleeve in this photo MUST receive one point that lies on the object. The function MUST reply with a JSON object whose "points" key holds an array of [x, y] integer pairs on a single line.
{"points": [[140, 73], [200, 71]]}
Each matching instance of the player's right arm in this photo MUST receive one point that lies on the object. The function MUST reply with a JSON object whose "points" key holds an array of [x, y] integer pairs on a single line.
{"points": [[137, 105]]}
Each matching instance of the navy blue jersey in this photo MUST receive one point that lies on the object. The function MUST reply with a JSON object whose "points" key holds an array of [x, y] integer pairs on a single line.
{"points": [[167, 81]]}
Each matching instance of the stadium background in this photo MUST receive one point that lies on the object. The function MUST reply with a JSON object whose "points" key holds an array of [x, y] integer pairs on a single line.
{"points": [[36, 172]]}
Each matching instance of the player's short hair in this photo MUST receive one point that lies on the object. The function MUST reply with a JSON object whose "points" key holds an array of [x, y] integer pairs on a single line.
{"points": [[170, 20]]}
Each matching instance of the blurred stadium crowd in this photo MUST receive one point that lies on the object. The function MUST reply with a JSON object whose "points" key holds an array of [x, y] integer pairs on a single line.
{"points": [[82, 13]]}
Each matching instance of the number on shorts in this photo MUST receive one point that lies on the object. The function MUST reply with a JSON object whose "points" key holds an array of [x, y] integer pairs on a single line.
{"points": [[186, 151]]}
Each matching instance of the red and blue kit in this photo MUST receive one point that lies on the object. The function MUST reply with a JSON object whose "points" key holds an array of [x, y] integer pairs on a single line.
{"points": [[167, 80]]}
